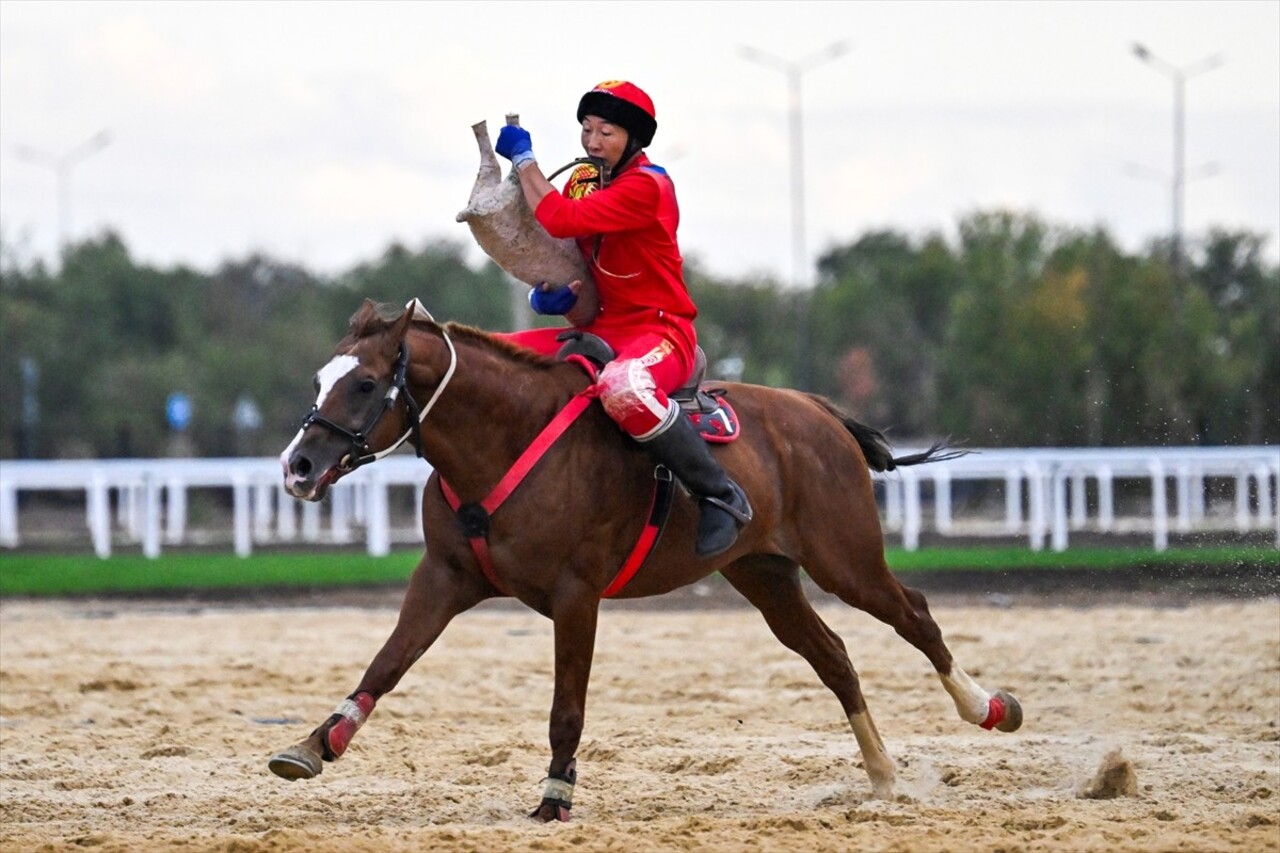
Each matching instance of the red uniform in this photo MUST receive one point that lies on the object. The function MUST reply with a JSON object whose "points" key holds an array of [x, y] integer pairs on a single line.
{"points": [[627, 233]]}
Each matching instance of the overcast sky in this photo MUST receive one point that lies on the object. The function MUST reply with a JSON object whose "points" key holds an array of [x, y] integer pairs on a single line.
{"points": [[321, 132]]}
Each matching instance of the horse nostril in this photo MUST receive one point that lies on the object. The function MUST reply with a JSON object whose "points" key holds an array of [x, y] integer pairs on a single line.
{"points": [[301, 466]]}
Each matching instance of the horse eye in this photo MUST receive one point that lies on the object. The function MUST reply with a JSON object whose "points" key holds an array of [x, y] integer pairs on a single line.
{"points": [[367, 386]]}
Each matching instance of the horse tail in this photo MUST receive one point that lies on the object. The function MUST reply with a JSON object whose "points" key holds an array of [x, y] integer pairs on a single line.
{"points": [[875, 447]]}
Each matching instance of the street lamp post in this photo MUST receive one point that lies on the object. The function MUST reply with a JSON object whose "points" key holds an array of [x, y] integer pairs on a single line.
{"points": [[62, 164], [1180, 75], [794, 72]]}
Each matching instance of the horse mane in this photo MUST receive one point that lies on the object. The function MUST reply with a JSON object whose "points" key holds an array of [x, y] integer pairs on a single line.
{"points": [[875, 447], [501, 346], [375, 317]]}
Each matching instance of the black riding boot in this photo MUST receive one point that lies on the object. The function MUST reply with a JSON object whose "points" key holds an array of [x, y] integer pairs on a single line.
{"points": [[724, 506]]}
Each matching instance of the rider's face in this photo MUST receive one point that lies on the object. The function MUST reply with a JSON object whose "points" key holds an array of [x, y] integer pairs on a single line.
{"points": [[604, 140]]}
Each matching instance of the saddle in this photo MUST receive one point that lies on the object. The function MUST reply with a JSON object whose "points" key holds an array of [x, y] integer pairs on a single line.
{"points": [[706, 408]]}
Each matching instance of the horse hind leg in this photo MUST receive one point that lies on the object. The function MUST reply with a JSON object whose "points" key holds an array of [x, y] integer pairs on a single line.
{"points": [[871, 587], [772, 585], [998, 710]]}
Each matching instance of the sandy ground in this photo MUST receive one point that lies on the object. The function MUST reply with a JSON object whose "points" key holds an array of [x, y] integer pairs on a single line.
{"points": [[128, 728]]}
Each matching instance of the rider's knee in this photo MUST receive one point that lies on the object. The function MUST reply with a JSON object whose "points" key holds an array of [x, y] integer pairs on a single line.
{"points": [[630, 396]]}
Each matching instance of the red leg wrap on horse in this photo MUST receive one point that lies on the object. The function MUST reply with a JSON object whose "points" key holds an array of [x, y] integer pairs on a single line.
{"points": [[352, 713], [995, 714]]}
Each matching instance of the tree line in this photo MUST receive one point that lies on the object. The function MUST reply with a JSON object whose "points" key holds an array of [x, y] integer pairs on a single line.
{"points": [[1016, 333]]}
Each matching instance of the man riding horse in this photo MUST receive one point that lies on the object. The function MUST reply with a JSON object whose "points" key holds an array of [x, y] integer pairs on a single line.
{"points": [[625, 225], [483, 412]]}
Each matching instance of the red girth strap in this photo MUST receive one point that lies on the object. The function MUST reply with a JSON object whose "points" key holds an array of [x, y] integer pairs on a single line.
{"points": [[475, 517], [659, 508]]}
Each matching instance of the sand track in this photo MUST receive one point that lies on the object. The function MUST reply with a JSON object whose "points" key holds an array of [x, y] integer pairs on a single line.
{"points": [[128, 728]]}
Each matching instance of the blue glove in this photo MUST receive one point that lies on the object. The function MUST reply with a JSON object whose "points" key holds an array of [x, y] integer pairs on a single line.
{"points": [[515, 144], [556, 300]]}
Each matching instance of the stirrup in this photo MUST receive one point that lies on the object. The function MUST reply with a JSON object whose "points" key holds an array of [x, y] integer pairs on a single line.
{"points": [[741, 516]]}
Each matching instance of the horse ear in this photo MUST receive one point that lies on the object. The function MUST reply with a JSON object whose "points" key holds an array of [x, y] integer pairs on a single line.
{"points": [[414, 310], [397, 331], [360, 319], [376, 318]]}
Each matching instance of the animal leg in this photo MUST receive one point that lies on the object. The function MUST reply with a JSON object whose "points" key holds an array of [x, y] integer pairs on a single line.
{"points": [[575, 610], [772, 584], [873, 588], [436, 593]]}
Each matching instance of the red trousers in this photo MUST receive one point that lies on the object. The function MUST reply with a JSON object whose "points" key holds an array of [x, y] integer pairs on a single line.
{"points": [[652, 360]]}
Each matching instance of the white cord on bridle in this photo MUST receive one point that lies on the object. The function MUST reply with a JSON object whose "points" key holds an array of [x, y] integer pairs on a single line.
{"points": [[421, 313]]}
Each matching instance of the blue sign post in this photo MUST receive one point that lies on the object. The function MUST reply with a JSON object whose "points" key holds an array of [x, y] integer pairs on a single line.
{"points": [[178, 410]]}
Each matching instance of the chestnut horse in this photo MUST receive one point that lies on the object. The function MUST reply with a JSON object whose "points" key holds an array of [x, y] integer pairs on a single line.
{"points": [[472, 403]]}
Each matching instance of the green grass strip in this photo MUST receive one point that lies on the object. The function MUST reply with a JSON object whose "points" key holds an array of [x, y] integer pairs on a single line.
{"points": [[1001, 558], [29, 574], [47, 575]]}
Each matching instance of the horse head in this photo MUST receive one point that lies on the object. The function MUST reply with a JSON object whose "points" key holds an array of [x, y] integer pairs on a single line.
{"points": [[363, 409]]}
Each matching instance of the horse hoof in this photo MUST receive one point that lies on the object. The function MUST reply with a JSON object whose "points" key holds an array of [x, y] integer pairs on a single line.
{"points": [[548, 812], [296, 762], [1012, 712]]}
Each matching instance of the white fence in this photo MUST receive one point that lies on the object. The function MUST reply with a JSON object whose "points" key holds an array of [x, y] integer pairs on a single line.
{"points": [[1046, 494]]}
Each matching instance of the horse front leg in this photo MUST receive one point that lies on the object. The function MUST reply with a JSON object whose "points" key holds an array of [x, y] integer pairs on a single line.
{"points": [[437, 592], [574, 612]]}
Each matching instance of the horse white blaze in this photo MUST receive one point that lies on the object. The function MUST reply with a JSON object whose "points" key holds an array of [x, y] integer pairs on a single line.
{"points": [[972, 702], [329, 375]]}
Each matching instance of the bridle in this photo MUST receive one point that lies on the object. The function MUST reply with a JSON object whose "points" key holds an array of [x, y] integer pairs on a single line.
{"points": [[360, 453]]}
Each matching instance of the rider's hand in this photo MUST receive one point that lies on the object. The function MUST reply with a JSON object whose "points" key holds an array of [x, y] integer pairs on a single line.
{"points": [[545, 299], [515, 144]]}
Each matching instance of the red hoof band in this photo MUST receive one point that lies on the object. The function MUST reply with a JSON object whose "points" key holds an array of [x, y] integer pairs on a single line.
{"points": [[1012, 712], [562, 814], [1004, 712], [995, 713], [352, 713]]}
